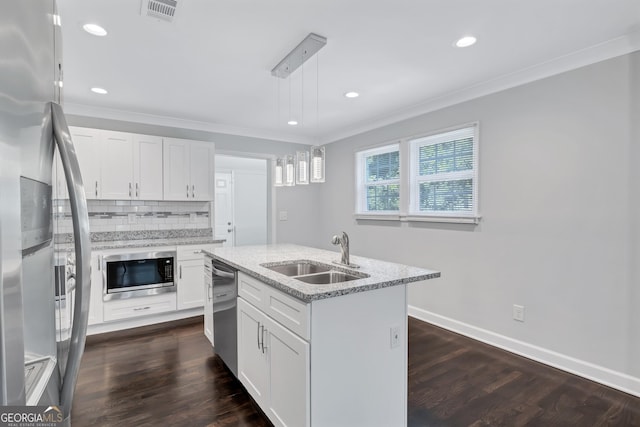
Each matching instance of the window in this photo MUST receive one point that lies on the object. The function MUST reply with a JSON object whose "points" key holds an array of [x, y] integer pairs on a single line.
{"points": [[379, 180], [443, 174], [441, 183]]}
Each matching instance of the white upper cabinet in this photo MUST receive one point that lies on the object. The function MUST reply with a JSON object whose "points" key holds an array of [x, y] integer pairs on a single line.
{"points": [[87, 145], [118, 165], [147, 167], [188, 170], [116, 171], [127, 166]]}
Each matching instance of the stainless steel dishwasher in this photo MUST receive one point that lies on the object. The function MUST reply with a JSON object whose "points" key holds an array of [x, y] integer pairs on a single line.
{"points": [[225, 331]]}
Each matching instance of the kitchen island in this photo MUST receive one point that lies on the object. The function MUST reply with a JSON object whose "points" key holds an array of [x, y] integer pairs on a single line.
{"points": [[319, 355]]}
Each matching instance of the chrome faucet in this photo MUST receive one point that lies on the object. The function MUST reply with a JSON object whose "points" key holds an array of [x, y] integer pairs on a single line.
{"points": [[343, 241]]}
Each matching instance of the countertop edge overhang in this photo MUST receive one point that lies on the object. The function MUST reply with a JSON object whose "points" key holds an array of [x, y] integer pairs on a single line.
{"points": [[382, 274]]}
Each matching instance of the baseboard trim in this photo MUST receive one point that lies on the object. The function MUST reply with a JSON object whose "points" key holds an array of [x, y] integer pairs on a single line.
{"points": [[618, 380]]}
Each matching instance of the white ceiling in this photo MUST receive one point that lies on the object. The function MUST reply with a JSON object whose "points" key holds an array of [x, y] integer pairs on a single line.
{"points": [[210, 68]]}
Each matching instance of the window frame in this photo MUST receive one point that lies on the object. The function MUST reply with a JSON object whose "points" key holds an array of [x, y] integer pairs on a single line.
{"points": [[415, 179], [409, 180], [361, 182]]}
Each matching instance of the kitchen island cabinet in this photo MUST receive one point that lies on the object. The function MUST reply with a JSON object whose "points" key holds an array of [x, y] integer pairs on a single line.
{"points": [[322, 355]]}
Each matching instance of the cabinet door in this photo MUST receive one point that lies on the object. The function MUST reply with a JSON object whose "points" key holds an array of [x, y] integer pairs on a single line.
{"points": [[201, 170], [289, 372], [95, 300], [208, 306], [87, 145], [176, 185], [190, 284], [252, 360], [117, 166], [147, 167]]}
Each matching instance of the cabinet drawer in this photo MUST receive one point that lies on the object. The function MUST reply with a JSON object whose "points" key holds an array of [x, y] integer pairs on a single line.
{"points": [[288, 311], [252, 290], [136, 307]]}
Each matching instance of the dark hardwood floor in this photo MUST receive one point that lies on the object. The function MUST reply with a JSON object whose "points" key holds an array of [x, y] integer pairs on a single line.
{"points": [[168, 375]]}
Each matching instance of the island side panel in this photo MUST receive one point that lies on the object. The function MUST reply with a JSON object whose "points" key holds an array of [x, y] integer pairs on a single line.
{"points": [[357, 378]]}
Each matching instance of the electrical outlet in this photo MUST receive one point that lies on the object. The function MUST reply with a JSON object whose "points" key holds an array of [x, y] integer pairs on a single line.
{"points": [[394, 332], [132, 218], [518, 312], [283, 215], [192, 217]]}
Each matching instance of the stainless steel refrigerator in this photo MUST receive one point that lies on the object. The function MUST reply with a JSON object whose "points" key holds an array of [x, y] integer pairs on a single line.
{"points": [[39, 357]]}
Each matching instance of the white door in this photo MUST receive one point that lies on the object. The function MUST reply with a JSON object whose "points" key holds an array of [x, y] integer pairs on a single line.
{"points": [[224, 223]]}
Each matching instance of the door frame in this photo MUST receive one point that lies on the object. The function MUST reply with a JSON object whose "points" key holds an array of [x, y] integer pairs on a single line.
{"points": [[271, 191]]}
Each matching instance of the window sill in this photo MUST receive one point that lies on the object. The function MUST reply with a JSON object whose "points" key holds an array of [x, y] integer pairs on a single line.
{"points": [[418, 218]]}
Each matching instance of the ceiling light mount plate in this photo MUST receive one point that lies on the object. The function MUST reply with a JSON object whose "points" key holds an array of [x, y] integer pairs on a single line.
{"points": [[294, 59]]}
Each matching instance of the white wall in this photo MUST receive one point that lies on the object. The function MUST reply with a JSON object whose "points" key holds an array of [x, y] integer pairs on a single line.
{"points": [[559, 196]]}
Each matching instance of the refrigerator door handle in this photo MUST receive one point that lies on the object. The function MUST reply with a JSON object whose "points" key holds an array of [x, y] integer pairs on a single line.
{"points": [[82, 242]]}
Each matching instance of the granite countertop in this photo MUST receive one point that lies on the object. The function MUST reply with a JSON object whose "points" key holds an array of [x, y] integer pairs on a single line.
{"points": [[381, 274], [141, 239]]}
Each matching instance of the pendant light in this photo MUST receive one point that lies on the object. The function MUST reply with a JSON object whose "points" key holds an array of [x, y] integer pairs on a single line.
{"points": [[302, 167], [317, 164], [289, 171], [278, 173]]}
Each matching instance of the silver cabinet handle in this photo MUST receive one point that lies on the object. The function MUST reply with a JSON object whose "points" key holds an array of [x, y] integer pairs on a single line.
{"points": [[258, 336], [99, 262], [180, 269], [264, 347], [199, 251], [137, 190], [187, 191], [193, 191], [209, 291], [129, 189], [141, 308], [82, 243], [96, 188]]}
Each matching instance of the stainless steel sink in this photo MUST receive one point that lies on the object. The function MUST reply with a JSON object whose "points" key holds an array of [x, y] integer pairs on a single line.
{"points": [[298, 268], [330, 277], [313, 272]]}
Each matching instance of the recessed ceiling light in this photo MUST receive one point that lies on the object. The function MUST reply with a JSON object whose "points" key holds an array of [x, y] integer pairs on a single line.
{"points": [[466, 41], [351, 94], [99, 90], [94, 29], [292, 122]]}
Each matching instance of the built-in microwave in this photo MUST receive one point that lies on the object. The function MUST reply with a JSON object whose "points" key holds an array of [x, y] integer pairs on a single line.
{"points": [[138, 274]]}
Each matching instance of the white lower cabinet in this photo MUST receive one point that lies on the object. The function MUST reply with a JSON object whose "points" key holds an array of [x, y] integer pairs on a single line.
{"points": [[273, 365], [95, 300], [191, 291]]}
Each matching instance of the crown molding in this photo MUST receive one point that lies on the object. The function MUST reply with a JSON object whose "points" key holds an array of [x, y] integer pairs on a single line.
{"points": [[151, 119], [610, 49]]}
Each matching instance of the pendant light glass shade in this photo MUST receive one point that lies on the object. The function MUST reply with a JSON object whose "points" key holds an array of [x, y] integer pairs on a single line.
{"points": [[289, 171], [302, 167], [278, 173], [317, 164]]}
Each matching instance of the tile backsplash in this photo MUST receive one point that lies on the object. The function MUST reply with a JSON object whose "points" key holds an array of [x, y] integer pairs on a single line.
{"points": [[133, 215]]}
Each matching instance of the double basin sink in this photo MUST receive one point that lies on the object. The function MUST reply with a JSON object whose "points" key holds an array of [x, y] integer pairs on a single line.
{"points": [[314, 273]]}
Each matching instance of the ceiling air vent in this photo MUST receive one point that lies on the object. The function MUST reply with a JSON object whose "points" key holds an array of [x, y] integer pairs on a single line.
{"points": [[162, 9]]}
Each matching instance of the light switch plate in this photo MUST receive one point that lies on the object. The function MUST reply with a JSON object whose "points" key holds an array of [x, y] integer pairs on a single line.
{"points": [[283, 215]]}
